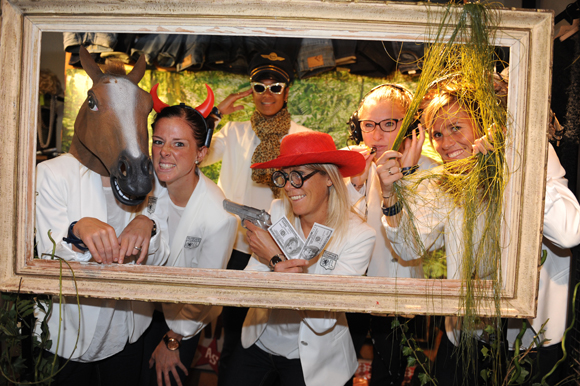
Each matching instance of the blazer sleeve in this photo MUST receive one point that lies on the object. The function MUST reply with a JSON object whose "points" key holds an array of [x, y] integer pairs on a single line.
{"points": [[357, 199], [52, 215], [561, 211], [190, 319], [157, 210], [276, 213]]}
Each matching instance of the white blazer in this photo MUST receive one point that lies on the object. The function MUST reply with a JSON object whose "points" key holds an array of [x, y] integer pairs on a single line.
{"points": [[68, 191], [384, 262], [439, 221], [326, 350], [204, 239], [561, 232], [234, 145]]}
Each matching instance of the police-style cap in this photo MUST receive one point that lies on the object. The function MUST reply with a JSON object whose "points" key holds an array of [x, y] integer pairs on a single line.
{"points": [[272, 63]]}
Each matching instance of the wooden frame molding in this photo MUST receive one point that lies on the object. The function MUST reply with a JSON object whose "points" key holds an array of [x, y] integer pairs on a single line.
{"points": [[527, 33]]}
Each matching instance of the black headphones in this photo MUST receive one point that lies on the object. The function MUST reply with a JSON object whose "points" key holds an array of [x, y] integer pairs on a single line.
{"points": [[354, 123]]}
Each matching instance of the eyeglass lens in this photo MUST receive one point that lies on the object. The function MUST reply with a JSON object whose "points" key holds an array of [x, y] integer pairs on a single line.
{"points": [[296, 179], [386, 125], [261, 88]]}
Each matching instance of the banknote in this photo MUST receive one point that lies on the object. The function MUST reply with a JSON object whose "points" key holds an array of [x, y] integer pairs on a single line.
{"points": [[316, 240], [287, 238]]}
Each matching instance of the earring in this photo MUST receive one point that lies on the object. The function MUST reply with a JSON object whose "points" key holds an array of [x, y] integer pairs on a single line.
{"points": [[197, 162]]}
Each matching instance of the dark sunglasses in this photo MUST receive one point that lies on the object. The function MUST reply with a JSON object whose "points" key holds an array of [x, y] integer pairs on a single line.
{"points": [[275, 88], [296, 179]]}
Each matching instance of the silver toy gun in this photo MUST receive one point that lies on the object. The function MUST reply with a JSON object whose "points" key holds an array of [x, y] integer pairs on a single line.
{"points": [[258, 217]]}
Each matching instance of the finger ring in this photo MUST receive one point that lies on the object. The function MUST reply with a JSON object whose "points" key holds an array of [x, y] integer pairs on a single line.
{"points": [[390, 173], [139, 249]]}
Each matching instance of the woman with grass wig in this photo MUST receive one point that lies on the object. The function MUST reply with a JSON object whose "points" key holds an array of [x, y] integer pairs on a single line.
{"points": [[305, 347], [453, 119]]}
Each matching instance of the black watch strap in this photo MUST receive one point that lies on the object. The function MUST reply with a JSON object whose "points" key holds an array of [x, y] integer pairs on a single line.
{"points": [[73, 239], [275, 260]]}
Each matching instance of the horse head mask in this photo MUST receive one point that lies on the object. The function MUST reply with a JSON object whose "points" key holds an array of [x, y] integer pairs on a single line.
{"points": [[110, 136]]}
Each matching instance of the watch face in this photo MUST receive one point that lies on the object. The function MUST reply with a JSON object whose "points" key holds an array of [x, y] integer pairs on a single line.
{"points": [[273, 261], [172, 344]]}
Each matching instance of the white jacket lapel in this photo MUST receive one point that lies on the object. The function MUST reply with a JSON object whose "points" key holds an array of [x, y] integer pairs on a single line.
{"points": [[92, 199], [193, 207]]}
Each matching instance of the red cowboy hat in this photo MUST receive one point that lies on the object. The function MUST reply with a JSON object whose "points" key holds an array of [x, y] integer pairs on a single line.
{"points": [[312, 147]]}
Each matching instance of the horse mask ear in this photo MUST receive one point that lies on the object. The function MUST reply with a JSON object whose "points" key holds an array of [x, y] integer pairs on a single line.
{"points": [[91, 68], [138, 71]]}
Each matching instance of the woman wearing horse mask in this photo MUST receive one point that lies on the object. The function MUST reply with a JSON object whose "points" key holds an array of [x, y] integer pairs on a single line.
{"points": [[238, 145], [82, 201], [201, 233]]}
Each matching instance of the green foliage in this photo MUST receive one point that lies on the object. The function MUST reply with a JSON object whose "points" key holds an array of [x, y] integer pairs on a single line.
{"points": [[212, 171], [414, 354], [16, 311], [435, 264], [322, 103]]}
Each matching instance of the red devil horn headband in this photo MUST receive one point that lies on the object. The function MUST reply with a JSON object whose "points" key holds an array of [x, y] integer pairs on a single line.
{"points": [[204, 109]]}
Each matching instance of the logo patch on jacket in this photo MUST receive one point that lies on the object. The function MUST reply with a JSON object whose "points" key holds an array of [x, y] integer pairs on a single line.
{"points": [[192, 242], [328, 260], [151, 204]]}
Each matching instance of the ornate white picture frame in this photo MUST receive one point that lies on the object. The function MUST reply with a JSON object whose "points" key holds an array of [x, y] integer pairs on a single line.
{"points": [[528, 35]]}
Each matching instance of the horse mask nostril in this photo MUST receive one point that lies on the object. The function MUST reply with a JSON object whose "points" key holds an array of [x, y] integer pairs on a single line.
{"points": [[124, 168], [148, 167]]}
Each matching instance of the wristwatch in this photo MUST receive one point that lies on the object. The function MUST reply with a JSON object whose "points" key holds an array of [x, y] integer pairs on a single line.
{"points": [[171, 343], [275, 260]]}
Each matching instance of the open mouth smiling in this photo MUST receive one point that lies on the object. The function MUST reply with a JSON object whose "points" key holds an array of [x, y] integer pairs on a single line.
{"points": [[124, 198], [296, 197]]}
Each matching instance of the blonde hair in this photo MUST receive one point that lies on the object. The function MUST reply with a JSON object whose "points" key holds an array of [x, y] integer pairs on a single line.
{"points": [[338, 212], [387, 93], [448, 92]]}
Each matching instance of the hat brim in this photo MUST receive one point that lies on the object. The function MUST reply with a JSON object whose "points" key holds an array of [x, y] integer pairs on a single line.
{"points": [[269, 74], [349, 163]]}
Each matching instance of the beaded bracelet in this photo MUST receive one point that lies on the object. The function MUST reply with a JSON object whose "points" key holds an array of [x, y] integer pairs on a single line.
{"points": [[409, 170], [73, 239], [393, 210]]}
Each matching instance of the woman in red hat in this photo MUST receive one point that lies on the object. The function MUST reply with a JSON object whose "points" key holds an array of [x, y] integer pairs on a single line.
{"points": [[305, 347], [240, 144]]}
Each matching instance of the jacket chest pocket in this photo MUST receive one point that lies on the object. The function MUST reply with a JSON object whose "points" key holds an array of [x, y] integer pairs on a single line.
{"points": [[191, 249]]}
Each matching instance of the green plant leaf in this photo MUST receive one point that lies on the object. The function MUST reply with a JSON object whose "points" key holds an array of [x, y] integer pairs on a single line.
{"points": [[407, 351], [424, 378], [485, 352]]}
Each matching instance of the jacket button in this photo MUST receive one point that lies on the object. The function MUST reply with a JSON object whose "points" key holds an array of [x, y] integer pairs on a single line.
{"points": [[304, 343]]}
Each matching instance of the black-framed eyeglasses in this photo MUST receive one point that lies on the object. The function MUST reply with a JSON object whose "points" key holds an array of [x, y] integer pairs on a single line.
{"points": [[275, 88], [386, 125], [296, 179]]}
